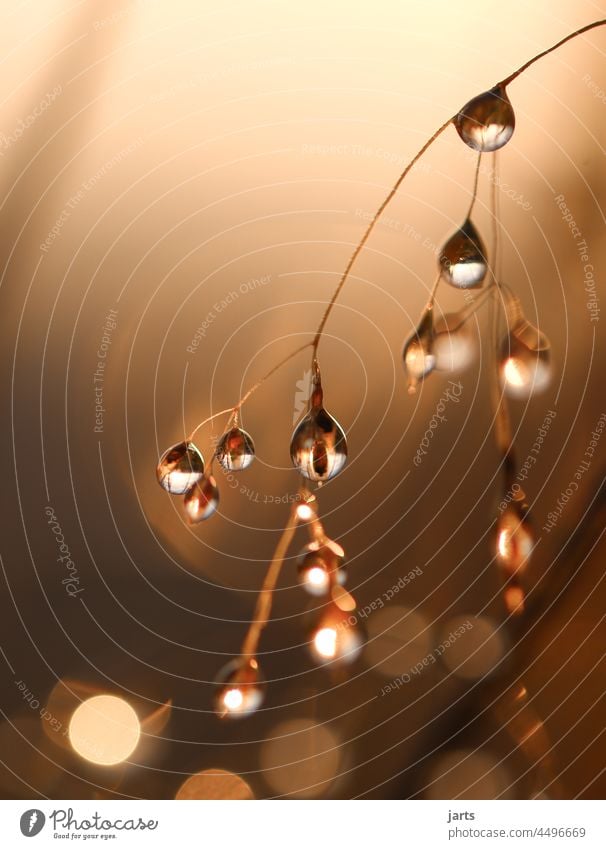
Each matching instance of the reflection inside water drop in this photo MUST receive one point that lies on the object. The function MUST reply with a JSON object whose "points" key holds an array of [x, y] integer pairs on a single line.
{"points": [[486, 122]]}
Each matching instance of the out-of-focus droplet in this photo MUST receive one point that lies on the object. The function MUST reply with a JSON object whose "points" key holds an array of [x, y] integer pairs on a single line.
{"points": [[337, 636], [472, 646], [419, 359], [201, 500], [180, 468], [318, 448], [301, 758], [104, 730], [240, 689], [399, 639], [469, 774], [454, 345], [463, 258], [514, 599], [235, 450], [515, 540], [525, 365], [319, 565], [215, 784], [487, 122]]}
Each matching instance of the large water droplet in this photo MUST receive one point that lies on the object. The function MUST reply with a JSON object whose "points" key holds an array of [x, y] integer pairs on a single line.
{"points": [[463, 258], [487, 122], [319, 566], [235, 450], [525, 365], [201, 500], [180, 468], [515, 539], [318, 448], [454, 345], [336, 637], [418, 355], [240, 689]]}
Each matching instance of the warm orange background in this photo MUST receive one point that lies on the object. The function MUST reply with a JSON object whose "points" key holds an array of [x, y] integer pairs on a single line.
{"points": [[191, 148]]}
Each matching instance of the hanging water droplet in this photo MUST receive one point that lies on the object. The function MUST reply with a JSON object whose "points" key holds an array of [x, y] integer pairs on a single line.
{"points": [[318, 448], [463, 258], [319, 566], [240, 689], [235, 450], [515, 540], [180, 468], [525, 365], [419, 359], [336, 637], [487, 122], [201, 500], [454, 344]]}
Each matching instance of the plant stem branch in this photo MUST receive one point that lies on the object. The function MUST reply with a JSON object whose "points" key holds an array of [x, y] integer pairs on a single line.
{"points": [[413, 162], [369, 230], [233, 411], [549, 50], [474, 192], [259, 383], [264, 601]]}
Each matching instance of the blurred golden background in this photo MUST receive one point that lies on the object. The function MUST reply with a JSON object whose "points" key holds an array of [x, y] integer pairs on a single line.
{"points": [[182, 185]]}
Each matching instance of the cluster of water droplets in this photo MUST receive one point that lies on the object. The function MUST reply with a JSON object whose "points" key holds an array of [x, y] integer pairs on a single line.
{"points": [[443, 344], [182, 471], [447, 345], [333, 637]]}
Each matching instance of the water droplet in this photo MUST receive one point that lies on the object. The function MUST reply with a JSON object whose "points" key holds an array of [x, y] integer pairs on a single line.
{"points": [[305, 512], [487, 122], [201, 500], [525, 365], [318, 448], [319, 566], [463, 258], [419, 359], [240, 689], [454, 345], [514, 599], [180, 468], [515, 539], [336, 637], [235, 450]]}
